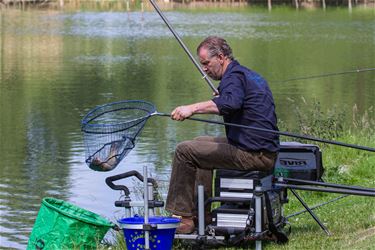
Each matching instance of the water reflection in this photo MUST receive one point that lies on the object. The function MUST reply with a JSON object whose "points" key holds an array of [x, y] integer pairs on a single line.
{"points": [[56, 66]]}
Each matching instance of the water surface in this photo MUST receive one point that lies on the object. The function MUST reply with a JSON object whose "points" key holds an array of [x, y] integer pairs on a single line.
{"points": [[56, 65]]}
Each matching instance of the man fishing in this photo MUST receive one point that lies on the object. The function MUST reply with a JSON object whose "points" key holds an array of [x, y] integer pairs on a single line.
{"points": [[244, 98]]}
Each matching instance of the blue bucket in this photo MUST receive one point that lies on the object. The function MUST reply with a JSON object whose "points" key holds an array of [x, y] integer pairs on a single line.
{"points": [[161, 238]]}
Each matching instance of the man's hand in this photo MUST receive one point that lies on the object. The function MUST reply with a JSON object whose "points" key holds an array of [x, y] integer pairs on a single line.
{"points": [[182, 112]]}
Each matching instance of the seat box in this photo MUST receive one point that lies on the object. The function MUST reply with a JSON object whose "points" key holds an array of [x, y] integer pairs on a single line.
{"points": [[240, 184], [235, 215]]}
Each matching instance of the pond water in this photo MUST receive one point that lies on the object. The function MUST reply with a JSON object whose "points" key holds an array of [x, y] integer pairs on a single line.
{"points": [[56, 65]]}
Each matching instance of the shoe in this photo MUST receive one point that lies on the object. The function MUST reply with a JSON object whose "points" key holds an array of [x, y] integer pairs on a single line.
{"points": [[186, 226]]}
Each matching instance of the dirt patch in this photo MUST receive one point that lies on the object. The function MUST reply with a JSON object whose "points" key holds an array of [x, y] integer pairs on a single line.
{"points": [[363, 235]]}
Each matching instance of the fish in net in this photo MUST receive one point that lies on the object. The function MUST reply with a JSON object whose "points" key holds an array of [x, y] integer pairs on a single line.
{"points": [[110, 132]]}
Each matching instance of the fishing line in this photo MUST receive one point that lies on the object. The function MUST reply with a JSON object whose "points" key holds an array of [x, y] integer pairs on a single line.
{"points": [[326, 75], [317, 206], [310, 138]]}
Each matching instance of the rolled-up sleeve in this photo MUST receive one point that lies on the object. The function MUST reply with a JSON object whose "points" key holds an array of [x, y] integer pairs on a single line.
{"points": [[231, 96]]}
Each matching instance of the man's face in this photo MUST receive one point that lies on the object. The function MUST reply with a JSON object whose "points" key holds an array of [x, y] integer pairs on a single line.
{"points": [[212, 66]]}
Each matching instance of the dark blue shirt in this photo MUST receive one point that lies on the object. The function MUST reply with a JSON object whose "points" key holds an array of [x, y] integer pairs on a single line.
{"points": [[246, 99]]}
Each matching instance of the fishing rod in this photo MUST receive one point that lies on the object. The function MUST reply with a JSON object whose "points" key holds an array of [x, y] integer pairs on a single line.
{"points": [[136, 113], [310, 138], [156, 7], [317, 206], [323, 184], [327, 75]]}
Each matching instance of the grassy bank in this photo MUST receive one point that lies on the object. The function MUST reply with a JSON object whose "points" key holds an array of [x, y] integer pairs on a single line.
{"points": [[351, 220]]}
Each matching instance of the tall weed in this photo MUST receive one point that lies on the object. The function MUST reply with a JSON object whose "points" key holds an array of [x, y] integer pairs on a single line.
{"points": [[311, 120]]}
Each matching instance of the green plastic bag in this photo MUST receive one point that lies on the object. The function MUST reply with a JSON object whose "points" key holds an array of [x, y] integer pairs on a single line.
{"points": [[61, 225]]}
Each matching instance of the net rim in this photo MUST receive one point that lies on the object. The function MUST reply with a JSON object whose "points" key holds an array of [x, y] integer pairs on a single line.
{"points": [[87, 127]]}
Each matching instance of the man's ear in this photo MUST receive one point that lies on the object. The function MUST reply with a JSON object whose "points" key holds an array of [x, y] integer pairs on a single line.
{"points": [[221, 58]]}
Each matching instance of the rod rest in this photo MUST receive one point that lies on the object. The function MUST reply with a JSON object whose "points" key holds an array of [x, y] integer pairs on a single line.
{"points": [[109, 181]]}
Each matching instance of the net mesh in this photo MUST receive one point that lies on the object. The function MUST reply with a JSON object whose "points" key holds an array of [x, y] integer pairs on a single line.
{"points": [[110, 132]]}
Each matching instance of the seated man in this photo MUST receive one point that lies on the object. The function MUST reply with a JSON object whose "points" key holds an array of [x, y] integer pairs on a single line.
{"points": [[244, 98]]}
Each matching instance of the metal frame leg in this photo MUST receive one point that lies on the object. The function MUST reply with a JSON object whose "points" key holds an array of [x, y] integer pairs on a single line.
{"points": [[310, 212], [145, 196], [258, 215], [201, 210]]}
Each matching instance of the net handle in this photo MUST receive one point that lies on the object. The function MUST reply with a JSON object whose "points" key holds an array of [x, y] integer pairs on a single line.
{"points": [[310, 138]]}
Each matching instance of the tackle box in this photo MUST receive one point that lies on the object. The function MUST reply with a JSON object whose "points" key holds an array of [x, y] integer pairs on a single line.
{"points": [[299, 161]]}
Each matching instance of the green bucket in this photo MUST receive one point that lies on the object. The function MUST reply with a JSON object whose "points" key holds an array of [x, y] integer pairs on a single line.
{"points": [[61, 225]]}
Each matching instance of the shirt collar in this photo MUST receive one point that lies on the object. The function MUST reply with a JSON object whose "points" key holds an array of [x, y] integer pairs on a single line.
{"points": [[230, 67]]}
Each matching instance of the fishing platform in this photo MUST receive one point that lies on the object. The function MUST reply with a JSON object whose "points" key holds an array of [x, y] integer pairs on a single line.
{"points": [[250, 208]]}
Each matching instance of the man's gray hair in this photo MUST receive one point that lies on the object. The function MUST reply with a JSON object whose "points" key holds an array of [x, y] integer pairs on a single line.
{"points": [[216, 45]]}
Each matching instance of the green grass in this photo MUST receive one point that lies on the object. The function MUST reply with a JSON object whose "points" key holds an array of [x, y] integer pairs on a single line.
{"points": [[351, 220]]}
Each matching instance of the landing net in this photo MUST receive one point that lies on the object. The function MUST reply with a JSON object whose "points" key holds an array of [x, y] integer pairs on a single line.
{"points": [[110, 132]]}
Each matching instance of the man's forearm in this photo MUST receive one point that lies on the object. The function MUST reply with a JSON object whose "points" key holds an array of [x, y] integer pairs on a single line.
{"points": [[207, 107], [182, 112]]}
